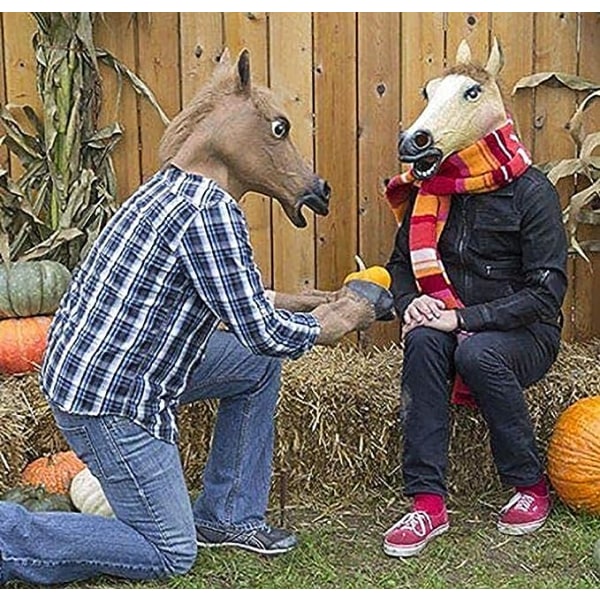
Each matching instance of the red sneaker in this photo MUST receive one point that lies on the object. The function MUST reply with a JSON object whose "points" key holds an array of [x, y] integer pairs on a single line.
{"points": [[412, 532], [524, 513]]}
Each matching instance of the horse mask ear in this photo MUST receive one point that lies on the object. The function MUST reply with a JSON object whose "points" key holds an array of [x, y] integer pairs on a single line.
{"points": [[463, 53], [243, 71], [496, 59]]}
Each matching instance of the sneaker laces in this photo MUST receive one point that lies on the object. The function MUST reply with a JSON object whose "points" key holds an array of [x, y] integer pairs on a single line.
{"points": [[417, 521], [519, 501]]}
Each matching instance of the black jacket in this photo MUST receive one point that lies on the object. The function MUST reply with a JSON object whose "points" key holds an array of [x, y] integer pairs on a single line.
{"points": [[505, 252]]}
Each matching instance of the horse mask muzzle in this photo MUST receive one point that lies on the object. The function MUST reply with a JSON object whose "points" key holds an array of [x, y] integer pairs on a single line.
{"points": [[316, 198], [417, 148]]}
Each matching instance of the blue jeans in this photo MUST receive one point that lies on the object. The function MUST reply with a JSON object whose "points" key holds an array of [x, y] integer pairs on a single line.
{"points": [[496, 366], [153, 534]]}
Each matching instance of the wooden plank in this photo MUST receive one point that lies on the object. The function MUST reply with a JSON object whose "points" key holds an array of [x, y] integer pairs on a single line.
{"points": [[589, 67], [336, 133], [471, 26], [158, 67], [290, 41], [201, 45], [515, 35], [20, 70], [422, 59], [250, 30], [556, 50], [116, 33], [378, 118]]}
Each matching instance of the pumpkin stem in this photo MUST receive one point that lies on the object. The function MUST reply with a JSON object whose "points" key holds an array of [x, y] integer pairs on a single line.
{"points": [[360, 263]]}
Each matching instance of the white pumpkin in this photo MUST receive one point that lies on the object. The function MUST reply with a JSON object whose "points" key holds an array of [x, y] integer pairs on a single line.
{"points": [[87, 495]]}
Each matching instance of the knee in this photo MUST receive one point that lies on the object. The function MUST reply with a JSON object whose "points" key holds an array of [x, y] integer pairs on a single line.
{"points": [[425, 342], [424, 337], [181, 558], [473, 360]]}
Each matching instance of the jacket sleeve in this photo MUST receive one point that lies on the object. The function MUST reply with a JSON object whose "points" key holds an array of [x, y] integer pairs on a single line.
{"points": [[544, 263], [403, 288]]}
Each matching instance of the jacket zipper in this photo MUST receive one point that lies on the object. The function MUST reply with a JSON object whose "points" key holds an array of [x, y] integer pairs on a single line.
{"points": [[461, 244]]}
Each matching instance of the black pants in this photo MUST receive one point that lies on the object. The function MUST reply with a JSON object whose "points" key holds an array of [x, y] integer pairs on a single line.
{"points": [[497, 366]]}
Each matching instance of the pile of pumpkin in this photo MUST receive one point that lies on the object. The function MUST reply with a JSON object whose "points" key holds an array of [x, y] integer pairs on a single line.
{"points": [[30, 293], [59, 482]]}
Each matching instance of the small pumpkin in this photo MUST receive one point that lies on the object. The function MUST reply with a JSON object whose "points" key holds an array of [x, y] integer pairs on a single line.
{"points": [[54, 472], [376, 274], [37, 499], [88, 496], [22, 344], [574, 455], [32, 288]]}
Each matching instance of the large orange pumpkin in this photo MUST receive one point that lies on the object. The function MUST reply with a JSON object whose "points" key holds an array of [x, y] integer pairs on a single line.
{"points": [[22, 343], [574, 455], [54, 472]]}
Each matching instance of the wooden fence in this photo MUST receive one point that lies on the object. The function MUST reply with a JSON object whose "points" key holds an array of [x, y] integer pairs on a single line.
{"points": [[347, 81]]}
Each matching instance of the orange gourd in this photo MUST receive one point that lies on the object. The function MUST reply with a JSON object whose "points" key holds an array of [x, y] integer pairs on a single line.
{"points": [[54, 472], [376, 274], [22, 343], [574, 456]]}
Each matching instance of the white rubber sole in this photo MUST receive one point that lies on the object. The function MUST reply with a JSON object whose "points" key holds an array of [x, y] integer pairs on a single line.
{"points": [[520, 529], [414, 549], [262, 551]]}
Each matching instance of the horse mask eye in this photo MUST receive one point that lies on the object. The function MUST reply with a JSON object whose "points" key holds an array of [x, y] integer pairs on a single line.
{"points": [[472, 93], [280, 127]]}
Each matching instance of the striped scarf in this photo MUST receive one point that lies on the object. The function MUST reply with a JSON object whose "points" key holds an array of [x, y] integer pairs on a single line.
{"points": [[489, 164]]}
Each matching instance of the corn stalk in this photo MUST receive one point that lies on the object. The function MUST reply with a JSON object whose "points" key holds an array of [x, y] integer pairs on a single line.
{"points": [[67, 190], [584, 168]]}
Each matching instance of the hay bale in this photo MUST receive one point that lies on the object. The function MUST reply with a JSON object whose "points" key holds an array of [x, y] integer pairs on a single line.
{"points": [[338, 428], [14, 409], [27, 428]]}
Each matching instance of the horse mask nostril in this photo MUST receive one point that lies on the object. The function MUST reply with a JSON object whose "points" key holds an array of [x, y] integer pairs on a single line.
{"points": [[325, 190]]}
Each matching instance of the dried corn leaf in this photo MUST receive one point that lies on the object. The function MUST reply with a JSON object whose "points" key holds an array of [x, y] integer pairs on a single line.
{"points": [[138, 85], [52, 243], [565, 168], [575, 124], [590, 143], [4, 248], [556, 79]]}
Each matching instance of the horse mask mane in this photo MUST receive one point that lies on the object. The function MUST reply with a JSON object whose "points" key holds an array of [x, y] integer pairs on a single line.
{"points": [[483, 164]]}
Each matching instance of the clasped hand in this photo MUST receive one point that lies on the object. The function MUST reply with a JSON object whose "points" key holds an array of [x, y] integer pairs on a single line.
{"points": [[426, 311]]}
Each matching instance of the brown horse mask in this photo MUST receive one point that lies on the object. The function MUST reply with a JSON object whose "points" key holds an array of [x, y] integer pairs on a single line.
{"points": [[463, 105], [238, 134]]}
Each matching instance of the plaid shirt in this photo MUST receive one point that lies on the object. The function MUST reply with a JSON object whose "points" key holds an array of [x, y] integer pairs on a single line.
{"points": [[140, 308]]}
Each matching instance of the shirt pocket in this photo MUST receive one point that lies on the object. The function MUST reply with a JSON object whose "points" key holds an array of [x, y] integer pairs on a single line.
{"points": [[496, 231]]}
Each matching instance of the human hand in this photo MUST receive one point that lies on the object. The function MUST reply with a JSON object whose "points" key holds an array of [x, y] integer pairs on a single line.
{"points": [[447, 320], [423, 308]]}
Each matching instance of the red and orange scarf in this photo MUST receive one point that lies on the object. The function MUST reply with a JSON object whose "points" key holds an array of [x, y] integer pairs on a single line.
{"points": [[489, 164]]}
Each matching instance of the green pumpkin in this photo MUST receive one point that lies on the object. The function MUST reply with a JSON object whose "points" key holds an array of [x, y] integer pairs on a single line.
{"points": [[32, 288], [37, 499]]}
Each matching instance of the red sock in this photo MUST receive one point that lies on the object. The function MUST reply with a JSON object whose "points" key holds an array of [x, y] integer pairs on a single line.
{"points": [[432, 504], [539, 489]]}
